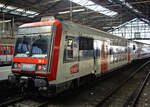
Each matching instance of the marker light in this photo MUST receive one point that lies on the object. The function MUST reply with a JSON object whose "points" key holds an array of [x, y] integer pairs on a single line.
{"points": [[39, 67], [19, 66]]}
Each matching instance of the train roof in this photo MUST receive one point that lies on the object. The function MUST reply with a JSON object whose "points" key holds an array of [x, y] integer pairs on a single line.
{"points": [[90, 29], [76, 26]]}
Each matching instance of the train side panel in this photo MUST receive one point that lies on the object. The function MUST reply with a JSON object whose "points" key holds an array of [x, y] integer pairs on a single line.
{"points": [[75, 62]]}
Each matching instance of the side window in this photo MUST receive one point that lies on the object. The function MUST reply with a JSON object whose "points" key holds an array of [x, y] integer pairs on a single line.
{"points": [[111, 51], [86, 48], [85, 43], [69, 49], [8, 49], [97, 46], [134, 47], [4, 50]]}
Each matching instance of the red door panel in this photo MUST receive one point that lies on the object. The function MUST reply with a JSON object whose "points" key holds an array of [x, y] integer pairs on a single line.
{"points": [[104, 57], [129, 55]]}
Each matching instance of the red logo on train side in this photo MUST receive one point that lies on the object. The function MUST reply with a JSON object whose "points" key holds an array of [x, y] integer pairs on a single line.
{"points": [[74, 69]]}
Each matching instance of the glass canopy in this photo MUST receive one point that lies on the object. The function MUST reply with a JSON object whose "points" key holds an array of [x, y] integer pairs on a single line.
{"points": [[17, 11], [95, 7]]}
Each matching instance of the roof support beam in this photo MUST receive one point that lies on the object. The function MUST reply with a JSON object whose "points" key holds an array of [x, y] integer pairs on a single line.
{"points": [[137, 14]]}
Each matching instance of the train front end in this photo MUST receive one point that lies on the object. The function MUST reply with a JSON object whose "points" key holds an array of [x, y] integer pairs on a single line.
{"points": [[34, 57]]}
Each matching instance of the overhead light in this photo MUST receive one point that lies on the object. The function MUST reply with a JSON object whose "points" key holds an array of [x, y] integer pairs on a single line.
{"points": [[106, 27], [65, 12], [5, 21]]}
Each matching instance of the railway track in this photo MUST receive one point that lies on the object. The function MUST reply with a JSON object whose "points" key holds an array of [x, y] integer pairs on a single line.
{"points": [[90, 94], [142, 100], [127, 93], [97, 90]]}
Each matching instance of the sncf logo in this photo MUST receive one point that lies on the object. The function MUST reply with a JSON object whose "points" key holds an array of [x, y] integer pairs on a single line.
{"points": [[74, 69]]}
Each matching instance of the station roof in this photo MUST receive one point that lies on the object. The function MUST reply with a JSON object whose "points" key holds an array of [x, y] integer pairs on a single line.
{"points": [[100, 14]]}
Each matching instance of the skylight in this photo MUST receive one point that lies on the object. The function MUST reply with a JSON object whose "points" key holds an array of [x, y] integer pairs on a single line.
{"points": [[95, 7], [17, 11]]}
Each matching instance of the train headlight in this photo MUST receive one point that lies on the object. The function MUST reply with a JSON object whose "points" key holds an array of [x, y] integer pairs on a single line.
{"points": [[41, 68], [16, 65]]}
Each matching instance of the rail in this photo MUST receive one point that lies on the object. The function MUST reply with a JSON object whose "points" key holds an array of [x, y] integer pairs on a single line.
{"points": [[12, 101], [122, 84], [132, 99]]}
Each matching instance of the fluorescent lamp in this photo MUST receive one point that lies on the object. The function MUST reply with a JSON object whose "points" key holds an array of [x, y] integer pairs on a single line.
{"points": [[65, 12], [5, 21]]}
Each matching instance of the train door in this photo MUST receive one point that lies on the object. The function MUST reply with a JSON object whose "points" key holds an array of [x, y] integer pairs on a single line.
{"points": [[104, 57], [4, 53], [129, 55], [8, 54], [97, 61], [11, 50], [71, 64]]}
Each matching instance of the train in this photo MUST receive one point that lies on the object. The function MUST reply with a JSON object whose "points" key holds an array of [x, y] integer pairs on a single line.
{"points": [[6, 54], [51, 56]]}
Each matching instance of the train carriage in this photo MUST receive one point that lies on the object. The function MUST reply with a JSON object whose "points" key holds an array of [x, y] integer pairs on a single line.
{"points": [[6, 53], [53, 55]]}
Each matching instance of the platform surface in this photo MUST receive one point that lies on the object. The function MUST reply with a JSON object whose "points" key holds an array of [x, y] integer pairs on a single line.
{"points": [[4, 71]]}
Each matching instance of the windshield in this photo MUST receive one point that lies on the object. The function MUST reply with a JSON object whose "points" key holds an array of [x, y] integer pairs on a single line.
{"points": [[32, 46]]}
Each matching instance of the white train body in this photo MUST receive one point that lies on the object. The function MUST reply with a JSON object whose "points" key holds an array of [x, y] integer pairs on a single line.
{"points": [[6, 53], [75, 52]]}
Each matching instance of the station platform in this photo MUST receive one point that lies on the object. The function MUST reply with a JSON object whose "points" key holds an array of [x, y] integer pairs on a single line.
{"points": [[4, 71]]}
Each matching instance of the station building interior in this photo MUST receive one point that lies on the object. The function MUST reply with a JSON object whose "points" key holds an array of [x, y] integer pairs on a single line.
{"points": [[126, 19]]}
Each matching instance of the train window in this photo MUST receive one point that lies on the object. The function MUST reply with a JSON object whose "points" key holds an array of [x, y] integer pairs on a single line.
{"points": [[111, 52], [97, 46], [4, 50], [69, 48], [134, 47], [8, 50], [85, 43]]}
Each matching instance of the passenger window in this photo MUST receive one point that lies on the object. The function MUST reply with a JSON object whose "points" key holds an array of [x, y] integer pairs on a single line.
{"points": [[8, 49], [111, 52], [69, 48], [85, 43], [133, 47], [68, 52], [86, 48], [4, 50]]}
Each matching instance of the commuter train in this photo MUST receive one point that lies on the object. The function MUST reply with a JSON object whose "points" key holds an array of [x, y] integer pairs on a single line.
{"points": [[6, 53], [54, 55]]}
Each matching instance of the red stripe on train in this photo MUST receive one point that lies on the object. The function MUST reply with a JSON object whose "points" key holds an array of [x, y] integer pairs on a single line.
{"points": [[55, 55], [31, 60], [38, 24]]}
